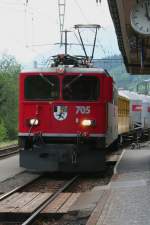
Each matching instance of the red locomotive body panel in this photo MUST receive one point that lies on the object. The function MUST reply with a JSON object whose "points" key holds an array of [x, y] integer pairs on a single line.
{"points": [[71, 125]]}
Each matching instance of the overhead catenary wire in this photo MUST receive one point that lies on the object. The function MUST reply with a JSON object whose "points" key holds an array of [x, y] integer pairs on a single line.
{"points": [[17, 6], [77, 38], [12, 2], [100, 44], [25, 22], [28, 11], [83, 14], [81, 11], [87, 21]]}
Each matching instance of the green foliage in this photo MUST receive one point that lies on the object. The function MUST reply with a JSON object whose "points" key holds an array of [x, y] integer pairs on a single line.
{"points": [[125, 80], [3, 131], [9, 70], [117, 70]]}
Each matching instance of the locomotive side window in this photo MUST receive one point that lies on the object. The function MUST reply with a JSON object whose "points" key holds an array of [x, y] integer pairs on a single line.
{"points": [[41, 88], [81, 88]]}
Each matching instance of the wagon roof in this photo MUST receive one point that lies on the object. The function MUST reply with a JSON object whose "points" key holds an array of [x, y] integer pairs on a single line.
{"points": [[130, 95], [144, 98]]}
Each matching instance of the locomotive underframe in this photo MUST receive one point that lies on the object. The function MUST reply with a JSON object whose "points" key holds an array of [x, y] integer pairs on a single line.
{"points": [[54, 154]]}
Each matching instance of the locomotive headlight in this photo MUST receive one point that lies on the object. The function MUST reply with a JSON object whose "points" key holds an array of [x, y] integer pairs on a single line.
{"points": [[33, 122], [88, 123]]}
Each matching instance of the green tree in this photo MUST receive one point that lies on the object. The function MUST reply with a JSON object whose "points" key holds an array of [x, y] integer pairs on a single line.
{"points": [[9, 70], [3, 131]]}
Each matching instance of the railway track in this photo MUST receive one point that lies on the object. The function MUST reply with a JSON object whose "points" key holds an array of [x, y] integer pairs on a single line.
{"points": [[19, 188], [32, 218], [21, 191], [76, 188], [8, 151]]}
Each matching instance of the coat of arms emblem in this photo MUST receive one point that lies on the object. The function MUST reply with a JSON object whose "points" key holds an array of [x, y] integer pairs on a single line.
{"points": [[60, 112]]}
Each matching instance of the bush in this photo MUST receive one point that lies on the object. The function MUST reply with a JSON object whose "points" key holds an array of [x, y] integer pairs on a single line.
{"points": [[3, 131], [9, 70]]}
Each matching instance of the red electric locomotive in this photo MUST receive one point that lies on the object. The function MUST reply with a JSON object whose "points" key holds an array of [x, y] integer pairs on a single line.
{"points": [[67, 117]]}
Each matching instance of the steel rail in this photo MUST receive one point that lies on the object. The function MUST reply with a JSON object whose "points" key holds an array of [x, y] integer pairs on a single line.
{"points": [[4, 152], [47, 202], [18, 188], [9, 147]]}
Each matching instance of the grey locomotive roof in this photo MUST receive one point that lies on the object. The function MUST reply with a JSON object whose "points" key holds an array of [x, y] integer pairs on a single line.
{"points": [[67, 69]]}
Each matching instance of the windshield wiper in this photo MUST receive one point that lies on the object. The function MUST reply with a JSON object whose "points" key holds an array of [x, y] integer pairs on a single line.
{"points": [[72, 81], [44, 78]]}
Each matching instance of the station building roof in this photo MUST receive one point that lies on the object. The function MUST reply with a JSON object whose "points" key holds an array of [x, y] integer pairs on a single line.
{"points": [[130, 42]]}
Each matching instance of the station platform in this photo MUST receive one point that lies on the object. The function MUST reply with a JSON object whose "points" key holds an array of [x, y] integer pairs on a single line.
{"points": [[9, 167], [127, 197]]}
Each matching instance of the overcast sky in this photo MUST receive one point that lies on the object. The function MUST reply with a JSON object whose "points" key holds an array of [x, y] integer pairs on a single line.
{"points": [[38, 23]]}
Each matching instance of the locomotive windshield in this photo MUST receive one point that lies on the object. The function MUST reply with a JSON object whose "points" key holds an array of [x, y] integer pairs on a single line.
{"points": [[41, 88], [80, 88]]}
